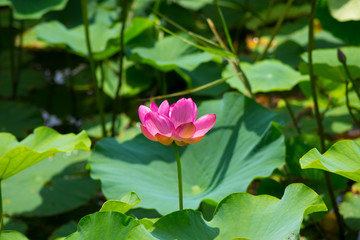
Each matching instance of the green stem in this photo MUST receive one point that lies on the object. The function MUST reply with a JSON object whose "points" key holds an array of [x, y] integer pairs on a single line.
{"points": [[178, 163], [123, 16], [348, 104], [276, 30], [190, 91], [351, 80], [84, 12], [12, 55], [1, 209], [291, 113], [319, 119], [19, 58], [235, 64]]}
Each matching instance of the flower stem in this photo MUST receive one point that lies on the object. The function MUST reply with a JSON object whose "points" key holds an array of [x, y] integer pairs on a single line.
{"points": [[1, 209], [178, 163], [84, 12], [291, 113], [276, 30], [319, 119], [123, 16]]}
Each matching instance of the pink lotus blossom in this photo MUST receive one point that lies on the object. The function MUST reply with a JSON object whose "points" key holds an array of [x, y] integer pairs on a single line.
{"points": [[177, 122]]}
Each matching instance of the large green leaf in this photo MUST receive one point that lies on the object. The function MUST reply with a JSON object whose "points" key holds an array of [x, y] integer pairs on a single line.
{"points": [[55, 185], [242, 145], [344, 10], [238, 216], [34, 9], [12, 235], [103, 43], [342, 158], [246, 216], [171, 53], [326, 63], [16, 156], [265, 76]]}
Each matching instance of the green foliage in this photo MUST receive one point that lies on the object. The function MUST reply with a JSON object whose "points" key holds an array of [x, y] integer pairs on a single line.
{"points": [[342, 158], [201, 49], [266, 76], [239, 215], [327, 65]]}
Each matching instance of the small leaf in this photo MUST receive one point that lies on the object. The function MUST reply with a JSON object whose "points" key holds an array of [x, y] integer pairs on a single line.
{"points": [[104, 225], [342, 158], [125, 204]]}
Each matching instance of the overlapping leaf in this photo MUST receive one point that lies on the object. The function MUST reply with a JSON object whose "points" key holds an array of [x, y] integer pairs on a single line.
{"points": [[266, 76], [242, 146], [326, 63], [239, 215], [16, 156], [342, 158]]}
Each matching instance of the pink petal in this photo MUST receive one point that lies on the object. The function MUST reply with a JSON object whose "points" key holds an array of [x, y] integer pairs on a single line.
{"points": [[184, 131], [143, 110], [193, 140], [184, 111], [147, 133], [164, 108], [156, 123], [204, 124], [164, 140], [154, 107]]}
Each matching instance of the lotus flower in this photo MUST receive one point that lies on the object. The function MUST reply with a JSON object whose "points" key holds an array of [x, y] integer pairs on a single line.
{"points": [[177, 122]]}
